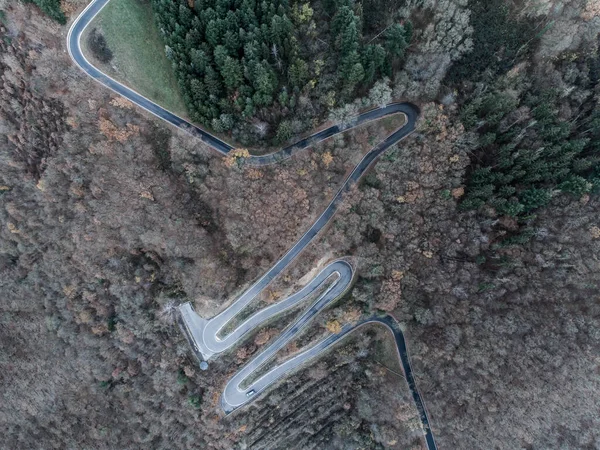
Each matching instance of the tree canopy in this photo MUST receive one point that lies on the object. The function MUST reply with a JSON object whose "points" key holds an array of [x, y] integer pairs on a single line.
{"points": [[239, 61]]}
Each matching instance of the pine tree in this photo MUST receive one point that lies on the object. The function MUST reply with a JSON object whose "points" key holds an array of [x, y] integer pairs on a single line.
{"points": [[576, 185], [395, 40], [199, 60], [534, 198], [374, 62], [298, 73], [231, 71], [264, 81]]}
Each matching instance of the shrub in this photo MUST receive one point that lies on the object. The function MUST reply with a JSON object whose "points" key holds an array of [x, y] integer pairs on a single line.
{"points": [[98, 46], [182, 377], [195, 400]]}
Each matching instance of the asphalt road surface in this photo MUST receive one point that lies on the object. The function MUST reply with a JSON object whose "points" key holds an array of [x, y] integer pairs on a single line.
{"points": [[331, 283]]}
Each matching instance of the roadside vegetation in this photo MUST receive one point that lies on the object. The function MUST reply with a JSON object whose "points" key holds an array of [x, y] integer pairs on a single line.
{"points": [[125, 41]]}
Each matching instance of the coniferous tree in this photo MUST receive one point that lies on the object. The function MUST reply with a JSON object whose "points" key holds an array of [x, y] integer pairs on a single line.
{"points": [[234, 58]]}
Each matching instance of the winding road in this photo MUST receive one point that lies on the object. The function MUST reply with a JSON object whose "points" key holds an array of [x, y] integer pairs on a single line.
{"points": [[205, 335]]}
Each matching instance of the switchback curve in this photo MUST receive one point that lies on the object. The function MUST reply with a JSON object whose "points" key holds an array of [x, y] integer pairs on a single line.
{"points": [[202, 333]]}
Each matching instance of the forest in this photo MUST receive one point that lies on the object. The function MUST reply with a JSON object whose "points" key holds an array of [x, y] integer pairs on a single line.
{"points": [[269, 70], [531, 145], [480, 232]]}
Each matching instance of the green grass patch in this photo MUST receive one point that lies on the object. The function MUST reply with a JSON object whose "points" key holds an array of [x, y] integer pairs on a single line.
{"points": [[138, 52], [393, 122]]}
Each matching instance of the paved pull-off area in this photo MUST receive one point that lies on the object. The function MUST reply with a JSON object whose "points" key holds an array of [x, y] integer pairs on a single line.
{"points": [[326, 287]]}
